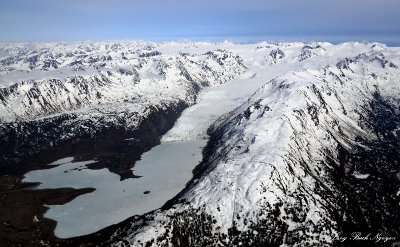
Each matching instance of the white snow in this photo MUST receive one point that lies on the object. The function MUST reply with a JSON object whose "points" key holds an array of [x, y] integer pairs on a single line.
{"points": [[62, 161], [360, 176], [255, 169], [35, 218]]}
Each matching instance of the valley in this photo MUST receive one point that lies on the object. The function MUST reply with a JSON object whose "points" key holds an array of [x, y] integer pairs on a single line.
{"points": [[198, 142]]}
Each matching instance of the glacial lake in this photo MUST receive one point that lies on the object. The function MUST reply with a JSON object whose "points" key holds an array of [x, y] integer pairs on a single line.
{"points": [[113, 200], [164, 170]]}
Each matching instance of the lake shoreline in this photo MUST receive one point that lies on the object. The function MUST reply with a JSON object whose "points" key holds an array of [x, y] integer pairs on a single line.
{"points": [[24, 208]]}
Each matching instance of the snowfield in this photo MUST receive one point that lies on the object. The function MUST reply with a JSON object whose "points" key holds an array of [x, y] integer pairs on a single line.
{"points": [[311, 155], [293, 165], [99, 86]]}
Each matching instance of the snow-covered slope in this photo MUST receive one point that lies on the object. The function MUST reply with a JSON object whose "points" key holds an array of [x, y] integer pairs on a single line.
{"points": [[144, 77], [55, 93], [312, 157]]}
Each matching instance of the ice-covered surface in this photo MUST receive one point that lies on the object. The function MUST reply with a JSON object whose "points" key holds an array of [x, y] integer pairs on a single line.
{"points": [[268, 160], [212, 103], [62, 161], [162, 176], [280, 167], [59, 93], [81, 89], [215, 102], [45, 79]]}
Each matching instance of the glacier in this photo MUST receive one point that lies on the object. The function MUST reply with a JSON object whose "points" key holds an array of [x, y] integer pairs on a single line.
{"points": [[302, 138]]}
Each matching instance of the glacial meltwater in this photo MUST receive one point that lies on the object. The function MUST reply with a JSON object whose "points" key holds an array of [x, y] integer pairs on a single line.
{"points": [[163, 174], [164, 170]]}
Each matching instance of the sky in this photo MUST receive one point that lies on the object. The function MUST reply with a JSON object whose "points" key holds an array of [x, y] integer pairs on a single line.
{"points": [[235, 20]]}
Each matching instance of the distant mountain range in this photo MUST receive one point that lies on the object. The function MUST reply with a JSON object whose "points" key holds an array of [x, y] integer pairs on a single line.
{"points": [[311, 158], [96, 91]]}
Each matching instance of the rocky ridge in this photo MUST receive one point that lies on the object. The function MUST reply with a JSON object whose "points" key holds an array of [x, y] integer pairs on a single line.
{"points": [[311, 158], [118, 90]]}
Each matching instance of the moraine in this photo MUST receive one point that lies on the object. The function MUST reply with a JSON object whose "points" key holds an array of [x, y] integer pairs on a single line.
{"points": [[163, 171]]}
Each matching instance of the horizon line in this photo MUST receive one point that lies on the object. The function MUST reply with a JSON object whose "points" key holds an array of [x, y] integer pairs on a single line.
{"points": [[389, 43]]}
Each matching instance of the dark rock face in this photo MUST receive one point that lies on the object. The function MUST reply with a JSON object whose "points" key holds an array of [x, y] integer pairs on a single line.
{"points": [[38, 143], [277, 54], [308, 51], [22, 210], [357, 205], [326, 193], [92, 115], [149, 54], [106, 102], [346, 183], [305, 54], [370, 205], [43, 141], [195, 228], [376, 57], [53, 96]]}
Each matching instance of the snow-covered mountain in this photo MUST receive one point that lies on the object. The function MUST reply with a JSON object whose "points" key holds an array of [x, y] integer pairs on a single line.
{"points": [[107, 78], [309, 159], [54, 93]]}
